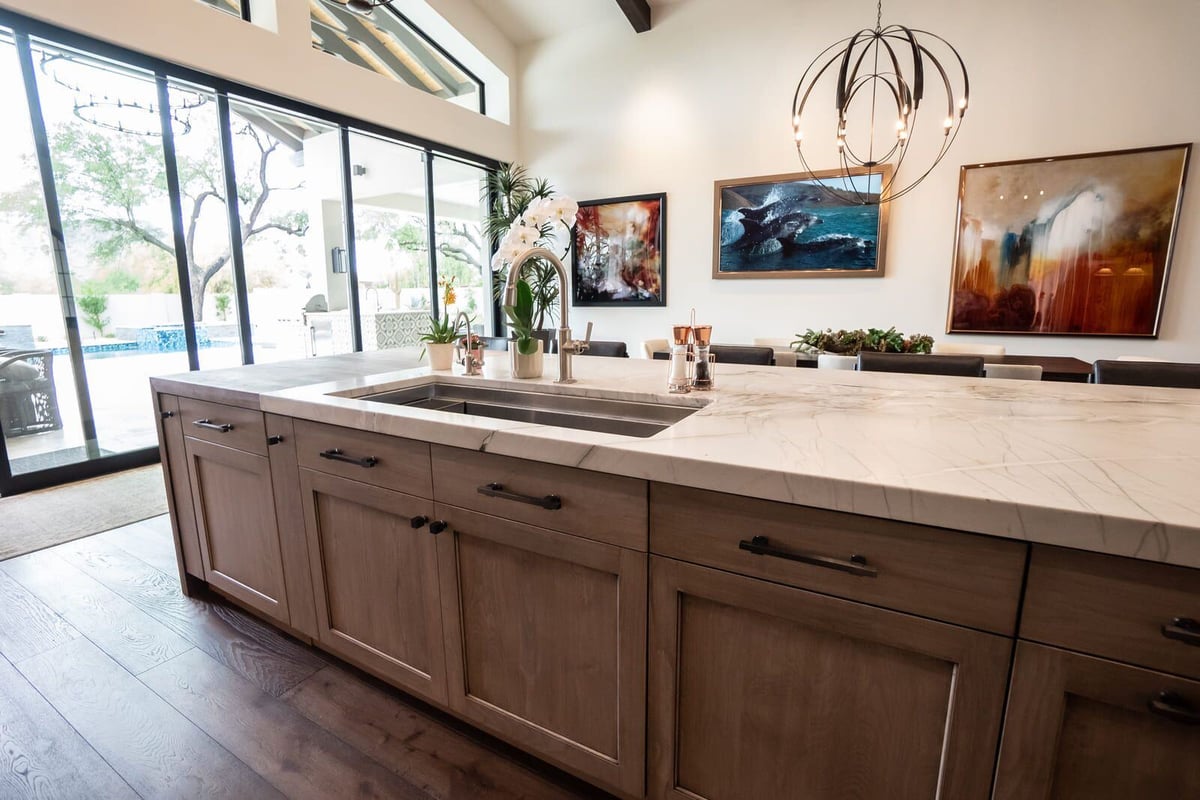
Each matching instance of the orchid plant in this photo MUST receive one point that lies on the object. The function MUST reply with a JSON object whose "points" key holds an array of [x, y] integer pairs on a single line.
{"points": [[527, 213]]}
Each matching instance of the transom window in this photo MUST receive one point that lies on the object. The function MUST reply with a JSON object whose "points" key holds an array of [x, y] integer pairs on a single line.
{"points": [[237, 8], [384, 41]]}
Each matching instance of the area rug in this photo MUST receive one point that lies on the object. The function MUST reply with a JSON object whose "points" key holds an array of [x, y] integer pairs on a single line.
{"points": [[37, 520]]}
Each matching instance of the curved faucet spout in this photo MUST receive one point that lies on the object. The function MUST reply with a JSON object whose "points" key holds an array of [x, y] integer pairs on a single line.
{"points": [[567, 346]]}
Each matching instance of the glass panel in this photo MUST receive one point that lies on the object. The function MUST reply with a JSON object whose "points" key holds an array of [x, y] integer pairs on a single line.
{"points": [[233, 7], [391, 237], [206, 224], [38, 410], [385, 42], [459, 211], [106, 148], [289, 172]]}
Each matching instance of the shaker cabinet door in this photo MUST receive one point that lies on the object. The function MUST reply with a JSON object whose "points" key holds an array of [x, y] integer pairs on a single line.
{"points": [[375, 582], [763, 690], [1084, 728], [545, 643], [239, 535]]}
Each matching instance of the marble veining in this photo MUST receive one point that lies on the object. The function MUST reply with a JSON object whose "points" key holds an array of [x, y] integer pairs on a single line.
{"points": [[1103, 468]]}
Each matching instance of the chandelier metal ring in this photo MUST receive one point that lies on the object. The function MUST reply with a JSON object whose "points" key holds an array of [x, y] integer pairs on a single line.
{"points": [[901, 69]]}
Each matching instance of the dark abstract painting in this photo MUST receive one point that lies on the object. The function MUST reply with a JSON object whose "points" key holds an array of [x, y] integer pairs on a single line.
{"points": [[1068, 245], [787, 226], [620, 252]]}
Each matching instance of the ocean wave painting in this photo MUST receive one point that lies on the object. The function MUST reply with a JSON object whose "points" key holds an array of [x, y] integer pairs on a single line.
{"points": [[1067, 245], [787, 226]]}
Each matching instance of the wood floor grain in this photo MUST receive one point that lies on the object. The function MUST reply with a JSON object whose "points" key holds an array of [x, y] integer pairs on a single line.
{"points": [[134, 639], [446, 764], [151, 540], [41, 756], [153, 747], [298, 757], [252, 649], [27, 625]]}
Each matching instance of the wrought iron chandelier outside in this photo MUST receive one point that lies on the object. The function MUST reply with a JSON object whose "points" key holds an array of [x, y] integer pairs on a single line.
{"points": [[892, 66], [365, 7]]}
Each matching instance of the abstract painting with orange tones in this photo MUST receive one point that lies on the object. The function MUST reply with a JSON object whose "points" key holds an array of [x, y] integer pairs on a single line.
{"points": [[620, 252], [1067, 245]]}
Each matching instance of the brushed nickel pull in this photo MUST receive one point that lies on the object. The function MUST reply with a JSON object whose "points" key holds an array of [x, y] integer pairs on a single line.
{"points": [[550, 502], [856, 565], [334, 454], [1183, 629], [223, 427], [1173, 706]]}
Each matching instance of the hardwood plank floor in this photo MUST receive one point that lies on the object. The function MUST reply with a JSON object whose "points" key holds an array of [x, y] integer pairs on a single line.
{"points": [[41, 755], [271, 660], [27, 625], [121, 687], [134, 640], [153, 747], [270, 736]]}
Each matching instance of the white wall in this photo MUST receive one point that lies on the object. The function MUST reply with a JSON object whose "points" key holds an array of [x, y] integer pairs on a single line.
{"points": [[277, 55], [706, 95]]}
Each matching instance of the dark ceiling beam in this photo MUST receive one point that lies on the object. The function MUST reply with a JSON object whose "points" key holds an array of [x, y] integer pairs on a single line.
{"points": [[638, 13]]}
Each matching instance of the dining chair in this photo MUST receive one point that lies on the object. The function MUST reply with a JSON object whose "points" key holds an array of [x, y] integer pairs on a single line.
{"points": [[968, 349], [743, 354], [785, 356], [964, 366], [1147, 373], [1020, 372], [652, 346], [609, 349]]}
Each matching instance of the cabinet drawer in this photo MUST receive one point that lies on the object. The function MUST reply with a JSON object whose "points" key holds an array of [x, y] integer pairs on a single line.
{"points": [[387, 461], [606, 508], [1128, 610], [230, 426], [956, 577]]}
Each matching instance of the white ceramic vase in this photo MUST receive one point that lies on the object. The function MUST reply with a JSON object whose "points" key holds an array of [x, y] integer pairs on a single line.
{"points": [[836, 361], [441, 356], [526, 366]]}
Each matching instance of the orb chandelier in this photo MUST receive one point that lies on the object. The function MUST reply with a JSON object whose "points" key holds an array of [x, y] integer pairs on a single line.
{"points": [[893, 69]]}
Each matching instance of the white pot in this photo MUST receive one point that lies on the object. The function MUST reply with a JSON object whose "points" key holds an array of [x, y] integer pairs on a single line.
{"points": [[523, 366], [441, 356], [836, 361]]}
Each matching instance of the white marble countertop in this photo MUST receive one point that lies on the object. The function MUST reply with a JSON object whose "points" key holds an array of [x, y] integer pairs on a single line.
{"points": [[1109, 469]]}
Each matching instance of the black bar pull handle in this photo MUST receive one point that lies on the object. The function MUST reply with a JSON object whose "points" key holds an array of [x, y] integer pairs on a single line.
{"points": [[334, 454], [550, 502], [1183, 629], [223, 427], [856, 565], [168, 414], [1173, 706]]}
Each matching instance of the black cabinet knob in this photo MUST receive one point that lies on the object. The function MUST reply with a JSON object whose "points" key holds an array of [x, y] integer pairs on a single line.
{"points": [[437, 526], [419, 522]]}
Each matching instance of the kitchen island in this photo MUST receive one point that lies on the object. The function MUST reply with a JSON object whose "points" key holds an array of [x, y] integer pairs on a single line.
{"points": [[696, 608]]}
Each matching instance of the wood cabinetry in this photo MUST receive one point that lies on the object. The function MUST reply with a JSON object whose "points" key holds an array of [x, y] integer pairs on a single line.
{"points": [[173, 455], [375, 580], [1084, 728], [235, 515], [545, 643], [762, 690]]}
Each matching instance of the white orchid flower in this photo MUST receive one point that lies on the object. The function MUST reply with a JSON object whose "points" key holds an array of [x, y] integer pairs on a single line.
{"points": [[526, 235], [538, 213], [563, 209]]}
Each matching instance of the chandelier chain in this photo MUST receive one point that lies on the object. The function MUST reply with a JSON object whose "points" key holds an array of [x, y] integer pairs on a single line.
{"points": [[878, 15]]}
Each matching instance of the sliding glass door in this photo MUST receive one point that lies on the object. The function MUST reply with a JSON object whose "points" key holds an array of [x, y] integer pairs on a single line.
{"points": [[154, 220]]}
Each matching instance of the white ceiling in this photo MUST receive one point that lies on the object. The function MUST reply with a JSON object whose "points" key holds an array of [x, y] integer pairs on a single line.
{"points": [[526, 21]]}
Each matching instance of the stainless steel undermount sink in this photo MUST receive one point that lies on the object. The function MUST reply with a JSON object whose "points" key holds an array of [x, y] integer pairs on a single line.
{"points": [[623, 417]]}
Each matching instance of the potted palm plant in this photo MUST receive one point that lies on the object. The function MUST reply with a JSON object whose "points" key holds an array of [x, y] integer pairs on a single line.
{"points": [[526, 350]]}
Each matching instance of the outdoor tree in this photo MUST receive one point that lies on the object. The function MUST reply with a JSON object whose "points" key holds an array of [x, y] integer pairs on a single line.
{"points": [[113, 194]]}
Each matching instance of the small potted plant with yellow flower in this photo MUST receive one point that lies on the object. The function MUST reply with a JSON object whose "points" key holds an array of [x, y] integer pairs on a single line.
{"points": [[442, 334]]}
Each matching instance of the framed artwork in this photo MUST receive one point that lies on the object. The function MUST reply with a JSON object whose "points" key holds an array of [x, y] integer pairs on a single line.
{"points": [[1071, 245], [619, 252], [787, 226]]}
